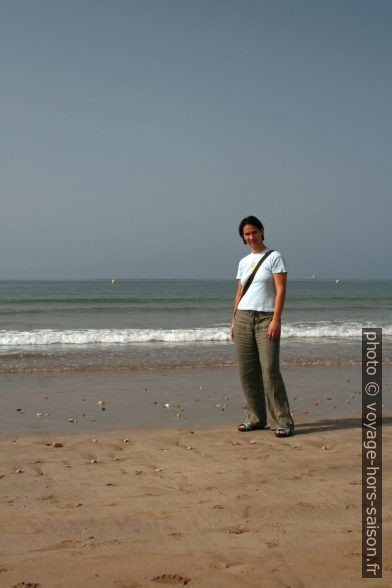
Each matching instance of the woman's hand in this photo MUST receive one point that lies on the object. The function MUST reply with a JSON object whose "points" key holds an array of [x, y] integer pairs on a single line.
{"points": [[232, 331], [280, 290], [274, 329]]}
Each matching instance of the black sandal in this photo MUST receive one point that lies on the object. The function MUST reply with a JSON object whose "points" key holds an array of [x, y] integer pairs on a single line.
{"points": [[246, 427], [284, 432]]}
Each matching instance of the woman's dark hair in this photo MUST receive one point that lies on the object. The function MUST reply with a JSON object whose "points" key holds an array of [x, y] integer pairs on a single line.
{"points": [[250, 220]]}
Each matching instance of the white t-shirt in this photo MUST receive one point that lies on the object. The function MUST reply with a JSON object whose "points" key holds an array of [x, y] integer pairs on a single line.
{"points": [[261, 294]]}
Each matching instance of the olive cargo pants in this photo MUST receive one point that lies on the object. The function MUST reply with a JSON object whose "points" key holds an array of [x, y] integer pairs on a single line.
{"points": [[258, 361]]}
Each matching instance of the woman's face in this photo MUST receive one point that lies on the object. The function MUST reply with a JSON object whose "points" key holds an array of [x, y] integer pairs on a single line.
{"points": [[253, 237]]}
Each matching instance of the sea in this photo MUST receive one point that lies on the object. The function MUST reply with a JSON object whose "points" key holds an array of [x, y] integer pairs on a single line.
{"points": [[106, 325]]}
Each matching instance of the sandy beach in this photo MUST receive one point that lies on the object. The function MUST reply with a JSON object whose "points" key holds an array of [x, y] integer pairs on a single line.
{"points": [[68, 401], [188, 501]]}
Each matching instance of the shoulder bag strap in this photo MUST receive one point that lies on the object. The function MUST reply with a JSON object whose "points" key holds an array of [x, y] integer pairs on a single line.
{"points": [[252, 275]]}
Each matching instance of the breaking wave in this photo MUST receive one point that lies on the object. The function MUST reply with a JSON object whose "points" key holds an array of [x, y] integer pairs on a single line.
{"points": [[317, 330]]}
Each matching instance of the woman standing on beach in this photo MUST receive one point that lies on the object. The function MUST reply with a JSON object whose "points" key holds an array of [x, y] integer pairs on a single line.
{"points": [[255, 330]]}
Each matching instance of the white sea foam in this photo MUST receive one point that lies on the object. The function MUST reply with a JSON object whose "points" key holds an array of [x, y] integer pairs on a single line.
{"points": [[327, 330], [110, 336], [318, 330]]}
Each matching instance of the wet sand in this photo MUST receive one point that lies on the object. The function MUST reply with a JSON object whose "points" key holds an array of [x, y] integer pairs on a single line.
{"points": [[182, 500], [174, 397]]}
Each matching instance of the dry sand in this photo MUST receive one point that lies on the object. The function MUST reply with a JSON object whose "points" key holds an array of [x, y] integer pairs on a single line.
{"points": [[203, 507], [144, 495]]}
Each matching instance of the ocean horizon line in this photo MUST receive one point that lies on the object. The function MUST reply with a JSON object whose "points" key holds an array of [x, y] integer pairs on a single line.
{"points": [[204, 279]]}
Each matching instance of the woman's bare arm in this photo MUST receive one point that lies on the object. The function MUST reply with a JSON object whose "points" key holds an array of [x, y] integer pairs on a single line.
{"points": [[236, 303], [280, 289]]}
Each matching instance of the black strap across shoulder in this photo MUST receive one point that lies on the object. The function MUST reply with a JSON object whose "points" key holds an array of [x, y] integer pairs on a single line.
{"points": [[252, 275]]}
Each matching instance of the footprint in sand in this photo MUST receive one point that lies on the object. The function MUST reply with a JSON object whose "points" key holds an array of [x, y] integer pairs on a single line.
{"points": [[237, 530], [51, 498], [171, 579], [66, 543], [272, 543]]}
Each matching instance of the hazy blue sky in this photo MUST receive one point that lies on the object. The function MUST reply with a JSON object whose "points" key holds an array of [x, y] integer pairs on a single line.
{"points": [[136, 134]]}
